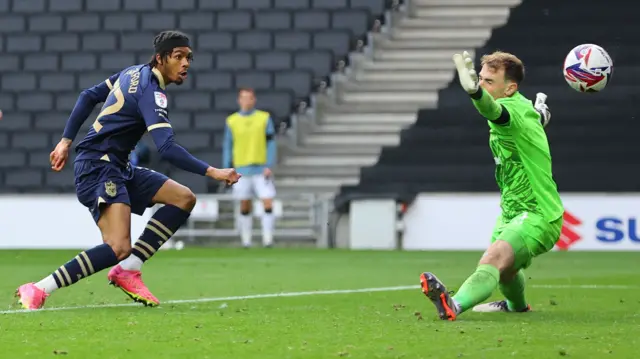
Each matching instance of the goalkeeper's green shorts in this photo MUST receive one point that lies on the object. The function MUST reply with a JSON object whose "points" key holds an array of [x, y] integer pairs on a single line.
{"points": [[529, 234]]}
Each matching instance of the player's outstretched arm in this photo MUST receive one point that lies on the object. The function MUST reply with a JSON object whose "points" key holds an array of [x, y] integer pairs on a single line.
{"points": [[87, 100], [156, 118], [483, 101]]}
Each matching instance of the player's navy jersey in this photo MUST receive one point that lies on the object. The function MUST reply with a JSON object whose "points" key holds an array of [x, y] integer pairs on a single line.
{"points": [[136, 103]]}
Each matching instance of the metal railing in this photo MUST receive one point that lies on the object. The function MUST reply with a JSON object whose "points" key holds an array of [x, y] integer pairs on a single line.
{"points": [[215, 216]]}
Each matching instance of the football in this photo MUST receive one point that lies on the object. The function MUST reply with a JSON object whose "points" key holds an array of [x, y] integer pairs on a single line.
{"points": [[588, 68]]}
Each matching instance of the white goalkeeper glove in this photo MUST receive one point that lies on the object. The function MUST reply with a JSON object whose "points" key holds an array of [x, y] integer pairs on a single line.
{"points": [[542, 108], [466, 73]]}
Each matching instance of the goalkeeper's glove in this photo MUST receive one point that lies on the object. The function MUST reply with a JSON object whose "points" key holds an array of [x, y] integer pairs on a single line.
{"points": [[466, 73], [543, 109]]}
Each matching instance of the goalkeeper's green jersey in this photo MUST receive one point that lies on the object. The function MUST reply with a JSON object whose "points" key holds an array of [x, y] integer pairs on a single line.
{"points": [[523, 162]]}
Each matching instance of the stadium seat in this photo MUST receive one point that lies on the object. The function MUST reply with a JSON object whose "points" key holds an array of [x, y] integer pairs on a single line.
{"points": [[52, 51], [447, 147], [259, 80]]}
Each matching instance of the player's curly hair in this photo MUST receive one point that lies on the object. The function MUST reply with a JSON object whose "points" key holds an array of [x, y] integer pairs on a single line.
{"points": [[162, 37], [512, 65]]}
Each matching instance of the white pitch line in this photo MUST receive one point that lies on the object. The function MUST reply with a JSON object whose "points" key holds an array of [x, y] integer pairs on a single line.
{"points": [[299, 294], [223, 299]]}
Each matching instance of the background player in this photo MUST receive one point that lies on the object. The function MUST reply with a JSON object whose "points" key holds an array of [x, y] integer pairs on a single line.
{"points": [[250, 146], [134, 103], [531, 217]]}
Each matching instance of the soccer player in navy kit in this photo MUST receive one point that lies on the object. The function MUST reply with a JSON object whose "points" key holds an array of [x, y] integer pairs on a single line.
{"points": [[111, 188]]}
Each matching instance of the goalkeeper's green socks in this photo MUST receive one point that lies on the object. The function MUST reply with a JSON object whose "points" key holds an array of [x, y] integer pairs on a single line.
{"points": [[514, 292], [478, 287]]}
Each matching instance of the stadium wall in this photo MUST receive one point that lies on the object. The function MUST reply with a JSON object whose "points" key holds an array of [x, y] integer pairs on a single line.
{"points": [[465, 221], [592, 221], [442, 221], [51, 222]]}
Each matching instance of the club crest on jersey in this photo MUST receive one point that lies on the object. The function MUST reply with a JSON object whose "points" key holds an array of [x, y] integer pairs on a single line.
{"points": [[110, 189], [161, 99]]}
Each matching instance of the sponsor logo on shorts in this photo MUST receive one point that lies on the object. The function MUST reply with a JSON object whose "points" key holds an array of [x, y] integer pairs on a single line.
{"points": [[110, 189], [569, 235]]}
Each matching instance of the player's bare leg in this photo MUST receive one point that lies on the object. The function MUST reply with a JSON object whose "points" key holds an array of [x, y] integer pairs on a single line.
{"points": [[246, 223], [512, 284], [477, 288], [115, 225], [267, 222], [178, 202]]}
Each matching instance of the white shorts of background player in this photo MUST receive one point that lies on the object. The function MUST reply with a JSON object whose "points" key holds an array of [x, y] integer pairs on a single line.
{"points": [[247, 188]]}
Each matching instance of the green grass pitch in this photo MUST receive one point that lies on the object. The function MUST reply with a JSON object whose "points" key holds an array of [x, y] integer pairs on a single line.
{"points": [[585, 306]]}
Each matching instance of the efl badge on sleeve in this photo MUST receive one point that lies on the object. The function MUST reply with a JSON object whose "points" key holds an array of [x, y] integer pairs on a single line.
{"points": [[161, 99], [110, 189]]}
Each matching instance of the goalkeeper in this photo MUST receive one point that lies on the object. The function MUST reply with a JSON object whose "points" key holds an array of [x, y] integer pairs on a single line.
{"points": [[531, 217]]}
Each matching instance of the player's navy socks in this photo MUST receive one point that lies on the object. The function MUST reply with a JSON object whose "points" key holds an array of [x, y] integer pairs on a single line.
{"points": [[83, 265], [514, 292], [164, 223], [478, 287]]}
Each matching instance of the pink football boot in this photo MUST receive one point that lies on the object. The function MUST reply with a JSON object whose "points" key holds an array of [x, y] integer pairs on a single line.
{"points": [[31, 297], [130, 281]]}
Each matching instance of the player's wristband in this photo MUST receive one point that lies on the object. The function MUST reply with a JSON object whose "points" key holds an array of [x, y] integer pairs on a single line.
{"points": [[486, 105], [476, 95]]}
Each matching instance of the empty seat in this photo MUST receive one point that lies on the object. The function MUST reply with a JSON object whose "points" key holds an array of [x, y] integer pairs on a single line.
{"points": [[18, 82], [253, 4], [66, 101], [336, 41], [215, 41], [375, 7], [234, 60], [4, 140], [197, 184], [280, 48], [357, 21], [273, 20], [226, 100], [292, 4], [213, 158], [51, 121], [299, 82], [211, 120], [330, 4], [319, 62], [312, 20], [13, 159], [23, 178], [30, 140], [39, 159], [279, 103], [215, 4], [194, 141], [292, 40], [258, 80], [234, 20], [192, 100], [90, 79], [273, 60], [253, 40], [180, 120], [214, 80]]}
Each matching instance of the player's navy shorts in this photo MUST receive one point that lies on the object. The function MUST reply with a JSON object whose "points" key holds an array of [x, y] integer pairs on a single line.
{"points": [[100, 182]]}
